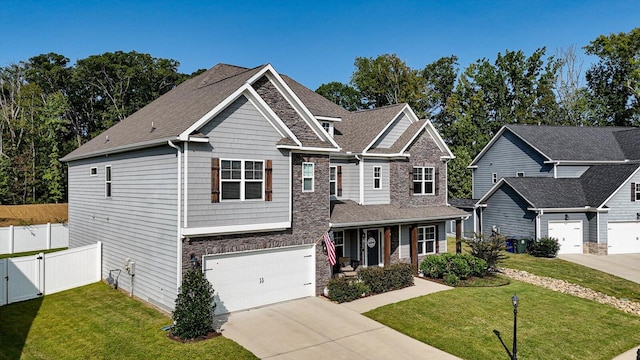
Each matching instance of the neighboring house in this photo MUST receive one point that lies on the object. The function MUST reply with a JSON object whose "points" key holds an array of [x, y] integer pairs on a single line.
{"points": [[242, 171], [578, 184]]}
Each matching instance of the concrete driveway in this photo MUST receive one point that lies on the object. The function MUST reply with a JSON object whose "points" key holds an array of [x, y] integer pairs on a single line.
{"points": [[314, 328], [626, 266]]}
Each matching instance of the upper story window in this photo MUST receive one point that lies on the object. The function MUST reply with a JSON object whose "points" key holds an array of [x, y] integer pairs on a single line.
{"points": [[635, 194], [426, 240], [107, 181], [93, 171], [494, 178], [424, 181], [333, 178], [328, 127], [377, 177], [241, 179], [307, 177], [520, 174]]}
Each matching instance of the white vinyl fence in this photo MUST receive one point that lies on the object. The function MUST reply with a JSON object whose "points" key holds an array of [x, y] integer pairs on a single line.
{"points": [[17, 239], [28, 277]]}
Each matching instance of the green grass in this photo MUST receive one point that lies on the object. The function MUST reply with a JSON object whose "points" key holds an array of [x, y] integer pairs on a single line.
{"points": [[574, 273], [4, 256], [551, 325], [96, 322]]}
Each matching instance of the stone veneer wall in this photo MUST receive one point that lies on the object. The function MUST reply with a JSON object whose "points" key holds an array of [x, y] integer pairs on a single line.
{"points": [[310, 220], [593, 248], [424, 152]]}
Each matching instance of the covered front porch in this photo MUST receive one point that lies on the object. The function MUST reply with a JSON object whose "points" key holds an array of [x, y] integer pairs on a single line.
{"points": [[380, 235]]}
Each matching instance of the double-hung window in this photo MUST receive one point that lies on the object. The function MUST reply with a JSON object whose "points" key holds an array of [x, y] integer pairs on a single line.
{"points": [[333, 176], [637, 186], [377, 177], [494, 178], [423, 181], [307, 177], [241, 179], [426, 240], [107, 181]]}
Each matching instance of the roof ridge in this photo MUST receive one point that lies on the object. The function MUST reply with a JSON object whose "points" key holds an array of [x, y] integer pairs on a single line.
{"points": [[204, 82], [378, 108]]}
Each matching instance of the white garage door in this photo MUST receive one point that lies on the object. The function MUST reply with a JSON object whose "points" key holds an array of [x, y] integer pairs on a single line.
{"points": [[623, 237], [569, 235], [254, 278]]}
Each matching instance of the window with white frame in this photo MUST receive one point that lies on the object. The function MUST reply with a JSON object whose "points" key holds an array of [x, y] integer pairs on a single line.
{"points": [[426, 240], [93, 171], [333, 176], [520, 174], [328, 127], [377, 177], [338, 240], [307, 177], [637, 191], [423, 181], [494, 178], [107, 181], [241, 179]]}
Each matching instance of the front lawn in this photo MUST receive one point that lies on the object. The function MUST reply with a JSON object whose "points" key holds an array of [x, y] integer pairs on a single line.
{"points": [[97, 322], [551, 325], [574, 273]]}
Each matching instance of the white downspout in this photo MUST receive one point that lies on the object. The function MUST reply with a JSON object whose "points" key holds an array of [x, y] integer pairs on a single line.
{"points": [[178, 235], [539, 223], [361, 180], [186, 185]]}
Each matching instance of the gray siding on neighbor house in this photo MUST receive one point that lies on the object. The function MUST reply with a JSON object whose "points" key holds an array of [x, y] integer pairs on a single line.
{"points": [[545, 218], [350, 179], [138, 222], [240, 132], [593, 228], [371, 195], [621, 208], [393, 133], [506, 157], [467, 225], [508, 211], [570, 171]]}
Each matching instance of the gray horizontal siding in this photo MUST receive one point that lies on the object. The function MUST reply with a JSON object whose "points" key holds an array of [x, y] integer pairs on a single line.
{"points": [[393, 133], [137, 222], [621, 208], [570, 171], [507, 211], [506, 157], [350, 179], [371, 195], [240, 132]]}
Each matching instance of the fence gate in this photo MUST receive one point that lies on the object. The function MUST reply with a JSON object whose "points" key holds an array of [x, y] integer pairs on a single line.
{"points": [[3, 281], [25, 278]]}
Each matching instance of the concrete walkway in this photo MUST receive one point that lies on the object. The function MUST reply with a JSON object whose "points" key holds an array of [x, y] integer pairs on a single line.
{"points": [[629, 355], [626, 266], [315, 328]]}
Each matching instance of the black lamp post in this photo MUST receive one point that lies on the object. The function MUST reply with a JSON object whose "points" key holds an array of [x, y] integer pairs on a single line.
{"points": [[515, 301]]}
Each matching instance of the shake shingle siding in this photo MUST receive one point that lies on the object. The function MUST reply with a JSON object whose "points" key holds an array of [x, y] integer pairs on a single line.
{"points": [[238, 133], [506, 157], [508, 211], [138, 222]]}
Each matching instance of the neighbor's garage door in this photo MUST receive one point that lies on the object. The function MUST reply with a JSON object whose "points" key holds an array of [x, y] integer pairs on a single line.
{"points": [[623, 237], [254, 278], [569, 235]]}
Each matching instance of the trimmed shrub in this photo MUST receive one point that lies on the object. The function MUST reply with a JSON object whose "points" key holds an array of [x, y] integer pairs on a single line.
{"points": [[459, 266], [344, 289], [545, 247], [489, 249], [379, 280], [478, 266], [451, 279], [193, 314], [434, 266]]}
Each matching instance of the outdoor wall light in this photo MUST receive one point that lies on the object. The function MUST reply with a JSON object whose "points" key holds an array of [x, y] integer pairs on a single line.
{"points": [[637, 216], [194, 261], [566, 216]]}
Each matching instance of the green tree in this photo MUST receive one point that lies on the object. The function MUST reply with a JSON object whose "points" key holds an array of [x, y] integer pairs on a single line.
{"points": [[342, 94], [193, 314], [55, 123], [614, 81], [439, 79]]}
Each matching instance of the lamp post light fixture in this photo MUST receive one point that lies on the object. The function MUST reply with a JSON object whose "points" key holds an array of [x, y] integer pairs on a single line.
{"points": [[515, 301]]}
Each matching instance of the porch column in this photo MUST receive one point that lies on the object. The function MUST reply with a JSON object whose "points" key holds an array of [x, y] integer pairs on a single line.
{"points": [[458, 236], [387, 245], [414, 248]]}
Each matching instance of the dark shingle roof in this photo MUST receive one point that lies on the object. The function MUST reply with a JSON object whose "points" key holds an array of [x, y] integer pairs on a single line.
{"points": [[629, 141], [348, 213], [591, 189], [363, 126], [574, 143], [463, 203]]}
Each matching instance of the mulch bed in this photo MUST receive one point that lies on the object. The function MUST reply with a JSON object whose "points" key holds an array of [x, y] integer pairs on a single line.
{"points": [[210, 335]]}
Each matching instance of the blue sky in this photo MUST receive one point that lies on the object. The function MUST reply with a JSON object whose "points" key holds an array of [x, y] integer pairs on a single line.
{"points": [[314, 42]]}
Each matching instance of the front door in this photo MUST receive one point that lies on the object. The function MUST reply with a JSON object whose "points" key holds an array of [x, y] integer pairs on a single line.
{"points": [[372, 246]]}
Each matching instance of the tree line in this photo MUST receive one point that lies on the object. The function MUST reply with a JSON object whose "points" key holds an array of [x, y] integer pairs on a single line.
{"points": [[49, 107], [469, 106]]}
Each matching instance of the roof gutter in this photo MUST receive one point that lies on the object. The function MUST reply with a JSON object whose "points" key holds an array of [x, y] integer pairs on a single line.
{"points": [[397, 221], [575, 209], [308, 149], [119, 149], [587, 162]]}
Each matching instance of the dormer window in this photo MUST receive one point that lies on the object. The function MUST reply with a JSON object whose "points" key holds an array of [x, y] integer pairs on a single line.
{"points": [[328, 127]]}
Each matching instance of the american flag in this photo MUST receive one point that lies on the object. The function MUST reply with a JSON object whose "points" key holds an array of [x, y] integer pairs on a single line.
{"points": [[331, 248]]}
